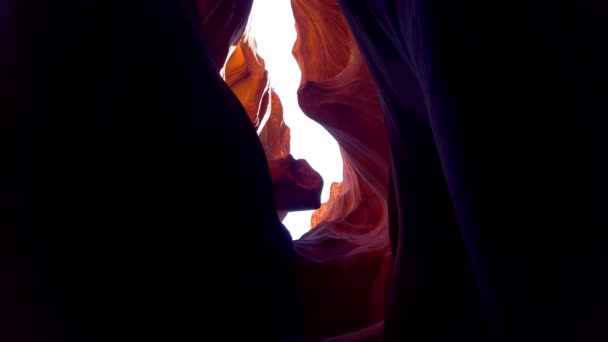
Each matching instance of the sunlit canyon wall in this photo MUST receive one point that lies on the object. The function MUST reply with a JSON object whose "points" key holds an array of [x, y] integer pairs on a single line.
{"points": [[344, 262]]}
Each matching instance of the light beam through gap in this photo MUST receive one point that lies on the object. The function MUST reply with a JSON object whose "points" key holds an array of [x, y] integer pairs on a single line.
{"points": [[273, 27]]}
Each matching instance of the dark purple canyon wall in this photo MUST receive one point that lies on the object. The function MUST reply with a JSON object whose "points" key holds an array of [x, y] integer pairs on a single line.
{"points": [[499, 220]]}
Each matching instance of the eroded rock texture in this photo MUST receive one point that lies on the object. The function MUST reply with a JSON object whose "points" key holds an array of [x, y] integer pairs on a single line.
{"points": [[296, 185], [344, 262]]}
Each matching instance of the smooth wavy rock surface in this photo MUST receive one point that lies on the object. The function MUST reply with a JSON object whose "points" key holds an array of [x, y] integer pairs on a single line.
{"points": [[344, 262]]}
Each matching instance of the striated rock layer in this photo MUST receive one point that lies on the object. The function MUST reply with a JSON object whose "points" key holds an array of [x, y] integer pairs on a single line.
{"points": [[344, 262]]}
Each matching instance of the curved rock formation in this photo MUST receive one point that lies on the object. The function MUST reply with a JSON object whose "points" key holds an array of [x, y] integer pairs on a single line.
{"points": [[246, 75], [344, 262]]}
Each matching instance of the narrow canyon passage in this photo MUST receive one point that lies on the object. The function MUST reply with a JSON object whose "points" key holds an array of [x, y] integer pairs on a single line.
{"points": [[346, 257], [273, 27], [147, 165]]}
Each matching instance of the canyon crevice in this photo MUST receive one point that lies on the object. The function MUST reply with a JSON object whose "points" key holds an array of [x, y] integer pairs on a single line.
{"points": [[146, 169], [348, 246]]}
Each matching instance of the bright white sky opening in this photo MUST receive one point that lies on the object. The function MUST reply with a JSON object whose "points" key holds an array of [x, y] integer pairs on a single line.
{"points": [[272, 25]]}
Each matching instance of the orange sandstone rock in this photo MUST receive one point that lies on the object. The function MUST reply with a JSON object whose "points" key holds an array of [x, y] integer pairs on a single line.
{"points": [[246, 75], [345, 260]]}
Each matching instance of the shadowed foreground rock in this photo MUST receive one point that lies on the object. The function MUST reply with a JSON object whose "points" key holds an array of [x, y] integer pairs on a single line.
{"points": [[135, 197]]}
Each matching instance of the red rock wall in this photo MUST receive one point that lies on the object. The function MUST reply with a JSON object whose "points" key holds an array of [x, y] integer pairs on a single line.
{"points": [[246, 75], [345, 261]]}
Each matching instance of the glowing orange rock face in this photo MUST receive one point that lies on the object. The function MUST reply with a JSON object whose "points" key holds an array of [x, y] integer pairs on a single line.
{"points": [[344, 262], [246, 75], [275, 135]]}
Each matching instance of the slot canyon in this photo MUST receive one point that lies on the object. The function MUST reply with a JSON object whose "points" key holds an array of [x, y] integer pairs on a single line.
{"points": [[147, 168]]}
